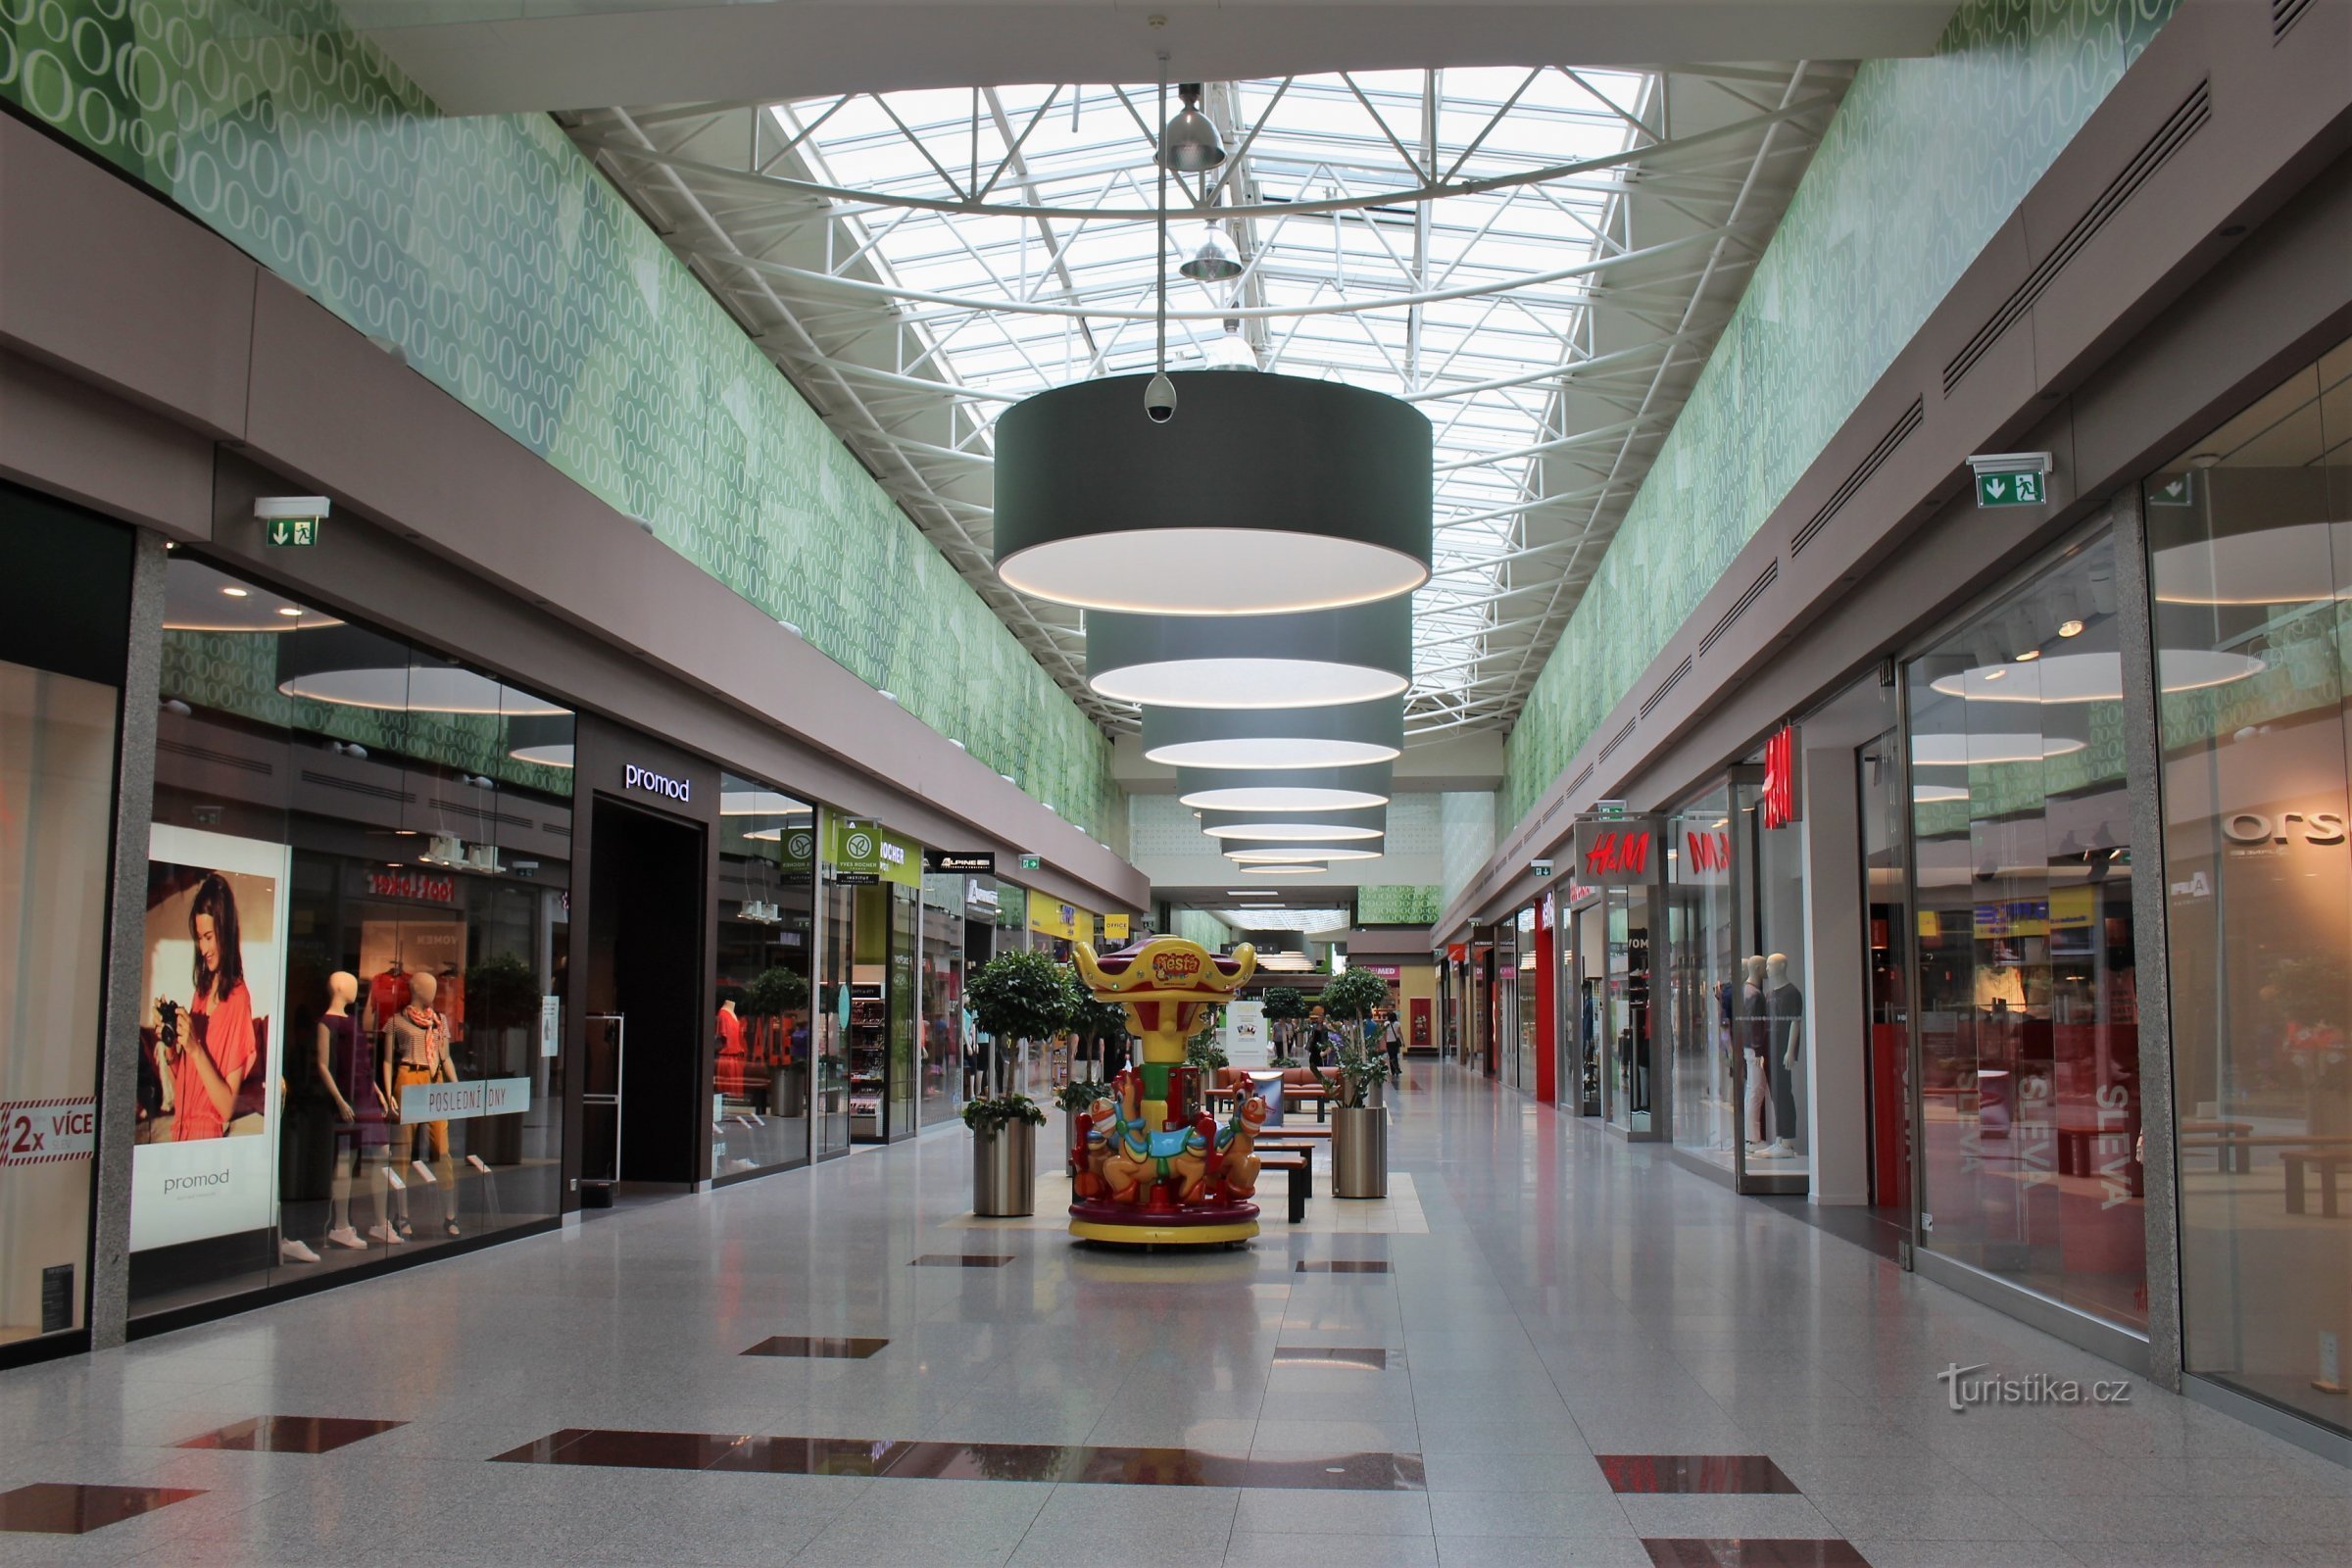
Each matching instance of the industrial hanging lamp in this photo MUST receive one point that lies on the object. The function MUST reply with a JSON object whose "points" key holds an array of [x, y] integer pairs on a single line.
{"points": [[1332, 735], [1311, 660], [1190, 143], [1211, 258]]}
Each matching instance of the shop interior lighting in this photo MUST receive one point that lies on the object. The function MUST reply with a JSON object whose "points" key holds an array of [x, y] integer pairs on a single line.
{"points": [[235, 593], [1272, 493], [1314, 658], [1955, 749], [2028, 656], [2070, 628], [1332, 735]]}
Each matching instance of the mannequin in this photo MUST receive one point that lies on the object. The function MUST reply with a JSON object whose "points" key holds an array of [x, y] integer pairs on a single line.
{"points": [[730, 1051], [1755, 1045], [417, 1052], [1785, 1009], [344, 1066]]}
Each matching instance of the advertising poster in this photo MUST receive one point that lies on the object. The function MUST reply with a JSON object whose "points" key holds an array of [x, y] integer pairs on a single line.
{"points": [[1246, 1034], [206, 1161]]}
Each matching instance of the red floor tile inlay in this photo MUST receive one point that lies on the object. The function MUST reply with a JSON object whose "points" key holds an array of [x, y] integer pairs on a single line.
{"points": [[1345, 1265], [71, 1508], [818, 1347], [963, 1261], [1692, 1472], [291, 1434]]}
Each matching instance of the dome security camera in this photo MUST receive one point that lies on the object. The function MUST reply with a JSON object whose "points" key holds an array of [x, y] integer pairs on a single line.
{"points": [[1159, 399]]}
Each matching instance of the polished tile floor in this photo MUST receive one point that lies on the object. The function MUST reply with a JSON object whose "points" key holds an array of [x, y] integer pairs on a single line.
{"points": [[1589, 1356]]}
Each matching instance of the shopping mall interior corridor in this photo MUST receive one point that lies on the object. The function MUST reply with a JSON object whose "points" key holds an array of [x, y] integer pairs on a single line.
{"points": [[1516, 1357]]}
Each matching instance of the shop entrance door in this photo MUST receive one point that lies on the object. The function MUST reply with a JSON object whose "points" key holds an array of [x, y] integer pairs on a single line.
{"points": [[645, 955], [1887, 930]]}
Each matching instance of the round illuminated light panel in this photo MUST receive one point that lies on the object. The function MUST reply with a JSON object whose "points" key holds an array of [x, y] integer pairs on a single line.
{"points": [[1319, 495], [1306, 789], [1317, 658], [1336, 735], [1305, 827], [1296, 868], [1949, 749], [2093, 677], [1274, 854]]}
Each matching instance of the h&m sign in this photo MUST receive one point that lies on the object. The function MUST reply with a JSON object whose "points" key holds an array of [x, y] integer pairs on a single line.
{"points": [[1613, 852]]}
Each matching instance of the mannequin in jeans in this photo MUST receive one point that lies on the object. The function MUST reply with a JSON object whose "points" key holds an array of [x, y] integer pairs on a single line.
{"points": [[417, 1052]]}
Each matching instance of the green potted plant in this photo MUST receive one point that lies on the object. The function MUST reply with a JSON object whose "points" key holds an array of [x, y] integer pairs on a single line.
{"points": [[780, 993], [1016, 996], [1360, 1119], [1099, 1027], [1286, 1008], [1004, 1154]]}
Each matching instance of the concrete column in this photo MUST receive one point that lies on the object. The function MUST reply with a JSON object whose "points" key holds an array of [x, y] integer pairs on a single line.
{"points": [[2144, 768], [1836, 986], [126, 947]]}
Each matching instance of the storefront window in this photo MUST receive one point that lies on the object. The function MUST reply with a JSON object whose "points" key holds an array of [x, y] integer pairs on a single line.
{"points": [[357, 922], [943, 1037], [2027, 1024], [1523, 1039], [1713, 1004], [766, 948], [2250, 567], [57, 793], [873, 924]]}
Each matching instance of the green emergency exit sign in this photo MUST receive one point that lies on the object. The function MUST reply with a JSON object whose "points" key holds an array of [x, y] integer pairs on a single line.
{"points": [[1033, 862], [2011, 490], [291, 530]]}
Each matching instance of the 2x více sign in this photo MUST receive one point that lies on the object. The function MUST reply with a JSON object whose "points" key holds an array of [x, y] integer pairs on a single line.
{"points": [[1615, 852]]}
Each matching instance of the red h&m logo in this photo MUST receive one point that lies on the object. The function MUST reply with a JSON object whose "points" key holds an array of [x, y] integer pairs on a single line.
{"points": [[1779, 778], [1618, 854], [1708, 852]]}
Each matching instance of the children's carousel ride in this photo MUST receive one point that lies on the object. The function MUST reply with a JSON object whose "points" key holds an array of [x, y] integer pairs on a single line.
{"points": [[1151, 1166]]}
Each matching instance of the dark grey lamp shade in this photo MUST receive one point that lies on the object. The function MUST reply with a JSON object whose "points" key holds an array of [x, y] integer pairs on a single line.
{"points": [[1333, 736], [1313, 658], [1285, 789], [1265, 493], [1270, 853]]}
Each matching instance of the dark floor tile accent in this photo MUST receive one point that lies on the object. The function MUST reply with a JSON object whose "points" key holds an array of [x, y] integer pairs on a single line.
{"points": [[291, 1434], [818, 1347], [1694, 1552], [963, 1261], [1694, 1472], [971, 1461], [1373, 1361], [71, 1508], [1345, 1265]]}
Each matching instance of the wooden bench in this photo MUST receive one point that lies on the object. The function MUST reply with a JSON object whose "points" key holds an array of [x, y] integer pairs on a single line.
{"points": [[2224, 1157], [2238, 1148], [2327, 1162], [1300, 1163]]}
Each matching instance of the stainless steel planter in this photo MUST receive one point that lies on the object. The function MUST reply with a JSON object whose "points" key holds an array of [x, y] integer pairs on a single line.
{"points": [[1004, 1171], [1359, 1153]]}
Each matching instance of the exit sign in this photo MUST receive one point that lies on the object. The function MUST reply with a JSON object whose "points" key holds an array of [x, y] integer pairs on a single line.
{"points": [[1033, 862], [291, 530], [2011, 490]]}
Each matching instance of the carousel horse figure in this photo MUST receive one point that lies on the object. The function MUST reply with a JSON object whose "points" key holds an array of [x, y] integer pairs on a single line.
{"points": [[1222, 1162]]}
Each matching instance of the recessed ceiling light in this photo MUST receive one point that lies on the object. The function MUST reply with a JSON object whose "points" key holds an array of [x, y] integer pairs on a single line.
{"points": [[2070, 628], [235, 593], [288, 610], [2029, 655], [1996, 673]]}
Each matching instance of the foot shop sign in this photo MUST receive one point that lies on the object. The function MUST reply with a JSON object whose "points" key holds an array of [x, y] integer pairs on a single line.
{"points": [[1614, 850]]}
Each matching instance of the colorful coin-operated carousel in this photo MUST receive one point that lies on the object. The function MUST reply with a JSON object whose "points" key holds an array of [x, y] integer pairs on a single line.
{"points": [[1152, 1167]]}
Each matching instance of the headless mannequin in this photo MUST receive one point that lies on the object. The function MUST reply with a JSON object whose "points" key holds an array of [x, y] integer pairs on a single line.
{"points": [[1755, 1043], [417, 1052], [1785, 1008]]}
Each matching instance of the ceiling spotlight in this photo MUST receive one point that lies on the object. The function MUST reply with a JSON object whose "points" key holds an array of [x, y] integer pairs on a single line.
{"points": [[289, 610], [2070, 628], [2029, 655], [1211, 258], [1190, 141], [235, 593]]}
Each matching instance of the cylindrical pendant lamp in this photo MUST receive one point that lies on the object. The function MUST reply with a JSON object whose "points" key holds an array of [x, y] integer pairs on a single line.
{"points": [[1290, 789], [1333, 736], [1264, 494], [1274, 853], [1310, 827], [1314, 658], [1289, 868]]}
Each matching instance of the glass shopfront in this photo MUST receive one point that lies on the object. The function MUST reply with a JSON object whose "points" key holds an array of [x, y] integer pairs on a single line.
{"points": [[767, 949], [873, 880], [940, 1047], [1508, 939], [62, 638], [1524, 989], [2027, 1017], [2250, 571], [357, 921]]}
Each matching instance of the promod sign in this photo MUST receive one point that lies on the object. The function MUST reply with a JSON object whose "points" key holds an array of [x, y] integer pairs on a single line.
{"points": [[1615, 852]]}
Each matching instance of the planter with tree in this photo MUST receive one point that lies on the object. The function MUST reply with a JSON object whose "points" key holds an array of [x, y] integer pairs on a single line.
{"points": [[1004, 1154], [773, 1000], [1018, 997], [1360, 1117]]}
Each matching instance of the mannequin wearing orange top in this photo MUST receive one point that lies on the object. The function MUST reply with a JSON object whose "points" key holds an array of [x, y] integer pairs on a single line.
{"points": [[417, 1052], [730, 1051]]}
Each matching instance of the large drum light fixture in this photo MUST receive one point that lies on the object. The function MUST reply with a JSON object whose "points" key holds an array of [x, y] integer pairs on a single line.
{"points": [[1335, 736], [1314, 658], [1278, 853], [1296, 827], [1298, 868], [1272, 493], [1287, 789]]}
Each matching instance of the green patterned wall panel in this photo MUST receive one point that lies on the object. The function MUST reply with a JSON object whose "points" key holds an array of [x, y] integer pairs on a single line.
{"points": [[512, 275], [1397, 905], [1924, 162], [1198, 926]]}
